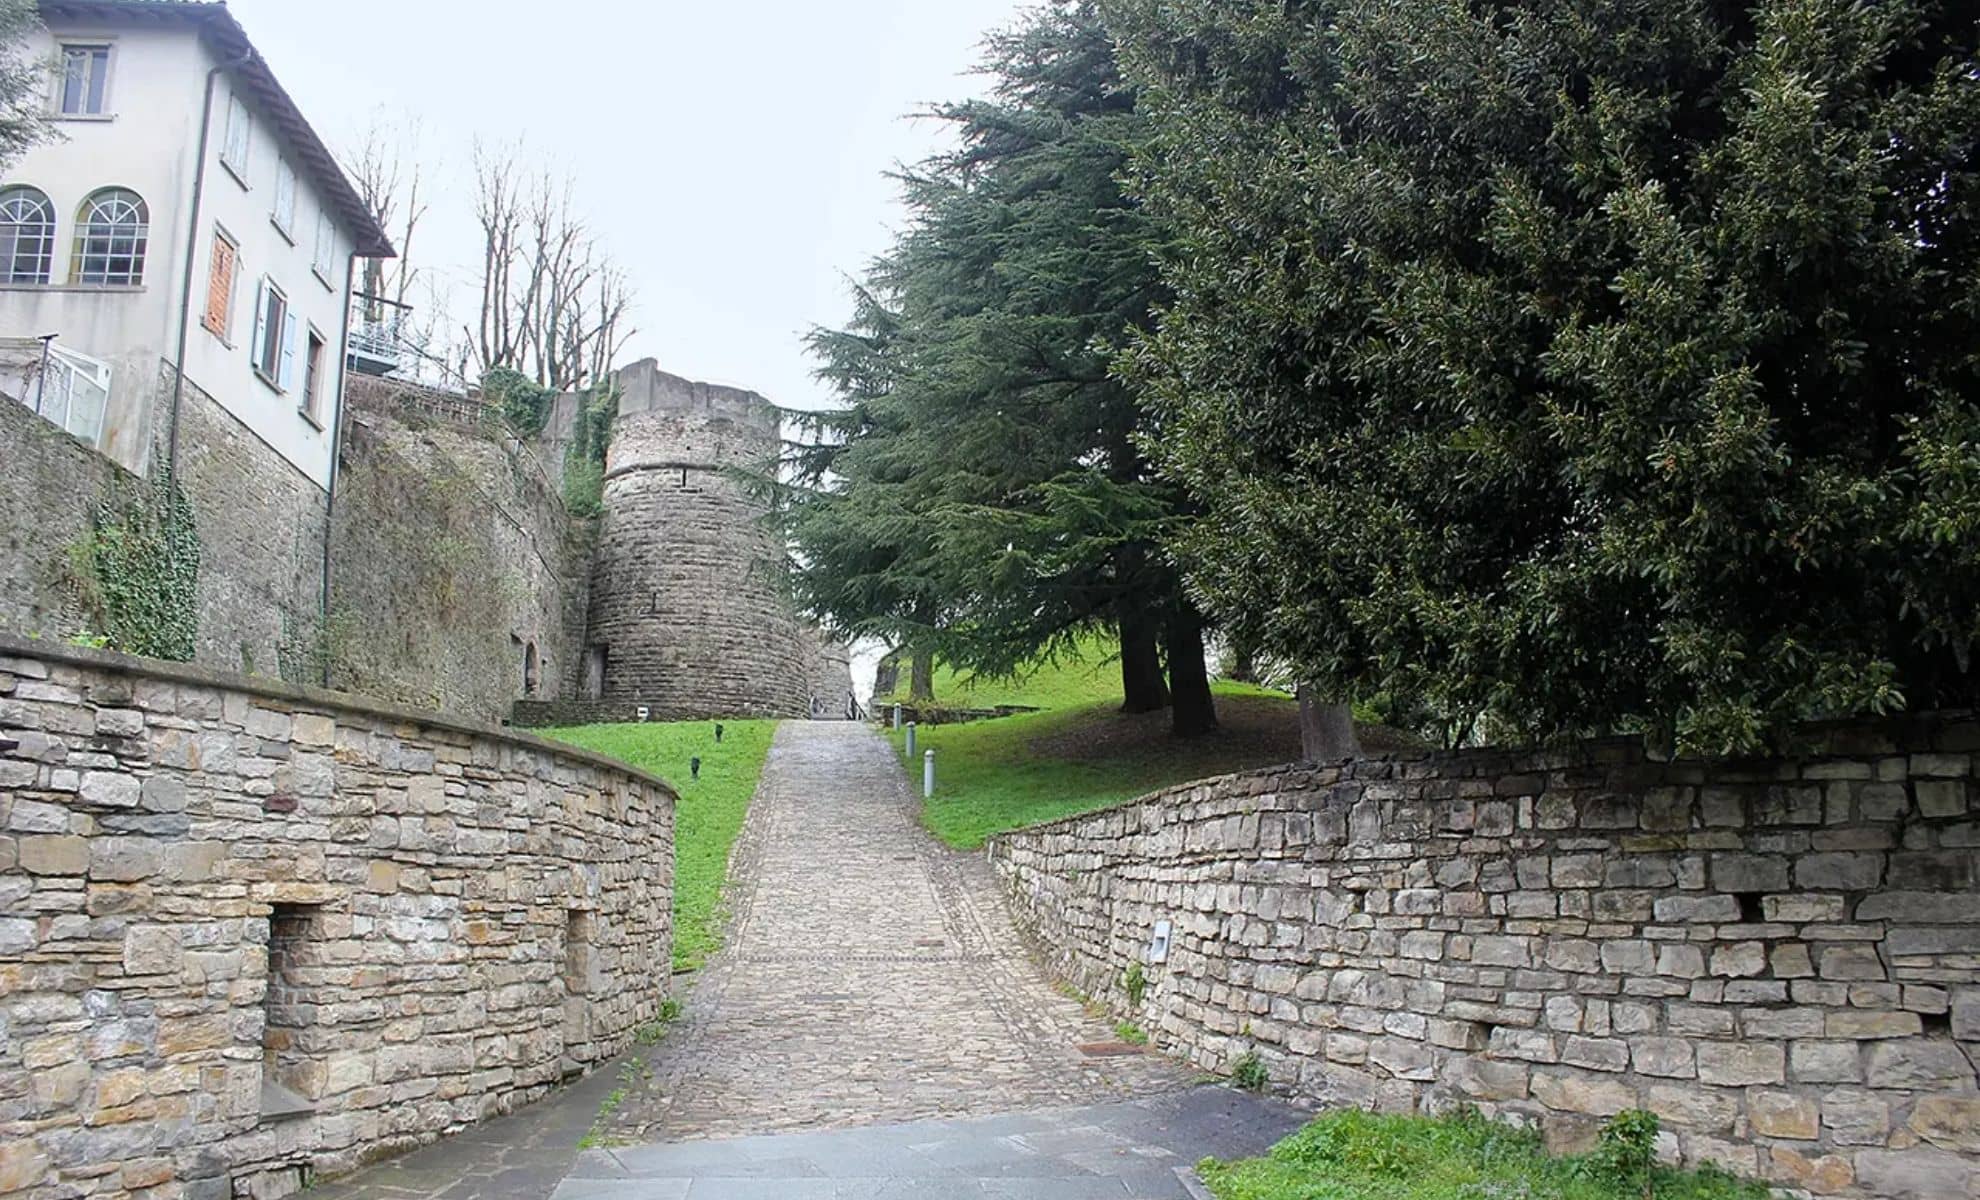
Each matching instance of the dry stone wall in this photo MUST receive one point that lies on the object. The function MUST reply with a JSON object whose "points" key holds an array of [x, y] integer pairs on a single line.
{"points": [[1779, 958], [251, 935]]}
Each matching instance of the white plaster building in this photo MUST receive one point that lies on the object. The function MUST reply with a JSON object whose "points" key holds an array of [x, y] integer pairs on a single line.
{"points": [[187, 214]]}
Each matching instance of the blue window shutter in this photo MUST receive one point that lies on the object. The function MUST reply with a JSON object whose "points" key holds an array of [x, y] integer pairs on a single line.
{"points": [[291, 333]]}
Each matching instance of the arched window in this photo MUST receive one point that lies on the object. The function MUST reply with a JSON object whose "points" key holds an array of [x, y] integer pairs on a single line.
{"points": [[111, 232], [27, 235]]}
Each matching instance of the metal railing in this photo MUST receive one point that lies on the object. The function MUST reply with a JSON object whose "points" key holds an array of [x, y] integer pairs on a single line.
{"points": [[377, 344]]}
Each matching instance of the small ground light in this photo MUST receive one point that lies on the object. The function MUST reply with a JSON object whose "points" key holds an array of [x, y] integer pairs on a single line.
{"points": [[928, 776], [694, 767], [718, 733]]}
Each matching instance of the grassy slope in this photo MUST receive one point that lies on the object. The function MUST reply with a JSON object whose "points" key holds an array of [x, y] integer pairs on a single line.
{"points": [[709, 816], [1089, 679], [1016, 771], [1357, 1156]]}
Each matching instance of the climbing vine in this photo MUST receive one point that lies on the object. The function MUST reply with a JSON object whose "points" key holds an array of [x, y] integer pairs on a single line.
{"points": [[584, 460], [137, 570]]}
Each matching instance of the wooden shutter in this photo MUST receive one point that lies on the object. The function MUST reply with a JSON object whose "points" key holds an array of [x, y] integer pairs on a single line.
{"points": [[291, 332], [260, 325], [220, 286]]}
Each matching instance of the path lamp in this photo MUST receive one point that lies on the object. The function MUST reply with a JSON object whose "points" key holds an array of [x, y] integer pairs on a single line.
{"points": [[694, 767], [897, 716], [910, 739], [928, 776]]}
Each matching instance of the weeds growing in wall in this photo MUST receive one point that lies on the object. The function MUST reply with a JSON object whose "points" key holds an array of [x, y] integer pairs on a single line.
{"points": [[137, 570], [584, 461]]}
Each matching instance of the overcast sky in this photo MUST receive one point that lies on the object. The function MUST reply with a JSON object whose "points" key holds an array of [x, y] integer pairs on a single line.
{"points": [[731, 155]]}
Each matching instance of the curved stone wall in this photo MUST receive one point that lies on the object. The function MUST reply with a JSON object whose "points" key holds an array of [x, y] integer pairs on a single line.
{"points": [[1780, 958], [686, 611], [250, 935]]}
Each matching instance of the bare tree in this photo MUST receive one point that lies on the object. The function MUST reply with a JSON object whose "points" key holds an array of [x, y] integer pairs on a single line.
{"points": [[553, 305]]}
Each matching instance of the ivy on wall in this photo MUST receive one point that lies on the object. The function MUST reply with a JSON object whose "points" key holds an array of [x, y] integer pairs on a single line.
{"points": [[137, 570], [584, 460]]}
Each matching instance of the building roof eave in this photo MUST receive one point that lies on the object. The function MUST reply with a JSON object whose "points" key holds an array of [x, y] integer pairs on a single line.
{"points": [[237, 54]]}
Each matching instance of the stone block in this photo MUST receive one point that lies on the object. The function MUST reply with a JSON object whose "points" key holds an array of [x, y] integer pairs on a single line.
{"points": [[1589, 1095], [1822, 1174], [153, 950], [1917, 1173], [1795, 909], [1485, 1079], [1840, 872], [1666, 1057], [1783, 1115], [54, 855], [1856, 1118], [1948, 1122], [1692, 1107], [1921, 1064], [1739, 959], [1749, 873], [109, 789], [1741, 1064], [1681, 960], [1939, 799], [1872, 1024], [123, 860], [1596, 1054], [1826, 1062]]}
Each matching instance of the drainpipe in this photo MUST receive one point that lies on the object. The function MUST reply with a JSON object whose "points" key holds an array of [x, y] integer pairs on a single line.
{"points": [[337, 443], [192, 260]]}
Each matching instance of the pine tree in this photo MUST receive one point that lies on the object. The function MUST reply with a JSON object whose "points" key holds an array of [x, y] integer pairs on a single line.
{"points": [[985, 488]]}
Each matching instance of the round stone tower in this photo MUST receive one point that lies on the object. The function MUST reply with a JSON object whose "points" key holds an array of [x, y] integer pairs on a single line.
{"points": [[686, 616]]}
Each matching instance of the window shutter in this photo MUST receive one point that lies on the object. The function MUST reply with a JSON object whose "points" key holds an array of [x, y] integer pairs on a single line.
{"points": [[260, 323], [220, 288], [291, 331]]}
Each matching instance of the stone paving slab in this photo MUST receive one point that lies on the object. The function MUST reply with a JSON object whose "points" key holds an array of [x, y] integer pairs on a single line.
{"points": [[1134, 1150]]}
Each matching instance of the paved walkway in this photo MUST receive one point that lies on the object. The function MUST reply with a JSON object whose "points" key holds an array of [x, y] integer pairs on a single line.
{"points": [[871, 978], [1140, 1150], [870, 974]]}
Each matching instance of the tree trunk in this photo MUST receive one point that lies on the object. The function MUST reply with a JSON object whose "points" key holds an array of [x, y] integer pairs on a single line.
{"points": [[1142, 686], [921, 686], [1242, 663], [1189, 678], [1326, 731]]}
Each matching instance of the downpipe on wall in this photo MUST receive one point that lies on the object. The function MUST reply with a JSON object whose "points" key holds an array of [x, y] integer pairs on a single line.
{"points": [[336, 455]]}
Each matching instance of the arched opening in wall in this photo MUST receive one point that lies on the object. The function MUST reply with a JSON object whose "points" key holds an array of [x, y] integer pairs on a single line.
{"points": [[531, 669]]}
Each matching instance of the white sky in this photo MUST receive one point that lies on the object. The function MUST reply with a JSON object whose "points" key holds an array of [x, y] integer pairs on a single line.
{"points": [[730, 156]]}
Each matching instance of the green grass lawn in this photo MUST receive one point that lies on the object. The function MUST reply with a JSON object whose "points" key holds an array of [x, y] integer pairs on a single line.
{"points": [[710, 813], [1354, 1155], [1014, 771], [1091, 676]]}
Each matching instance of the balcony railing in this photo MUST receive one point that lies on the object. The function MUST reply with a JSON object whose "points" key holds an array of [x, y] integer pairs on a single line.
{"points": [[377, 343]]}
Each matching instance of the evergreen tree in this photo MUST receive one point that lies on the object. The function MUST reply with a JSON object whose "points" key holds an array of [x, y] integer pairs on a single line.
{"points": [[985, 489], [1577, 365]]}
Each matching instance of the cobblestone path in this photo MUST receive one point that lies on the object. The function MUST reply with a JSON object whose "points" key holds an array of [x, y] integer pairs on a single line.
{"points": [[870, 975]]}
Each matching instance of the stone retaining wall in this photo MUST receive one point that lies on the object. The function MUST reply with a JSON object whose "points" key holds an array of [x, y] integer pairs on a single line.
{"points": [[252, 935], [1779, 958]]}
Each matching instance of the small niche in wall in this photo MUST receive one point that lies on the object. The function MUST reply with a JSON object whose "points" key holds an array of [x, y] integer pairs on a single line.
{"points": [[577, 952], [290, 1077]]}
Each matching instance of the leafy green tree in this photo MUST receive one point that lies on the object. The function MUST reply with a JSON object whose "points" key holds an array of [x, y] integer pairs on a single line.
{"points": [[985, 491], [23, 82], [1576, 365]]}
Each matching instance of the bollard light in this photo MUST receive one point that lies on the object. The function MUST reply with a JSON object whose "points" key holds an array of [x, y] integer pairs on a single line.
{"points": [[718, 733], [897, 716], [910, 739], [694, 767], [928, 776]]}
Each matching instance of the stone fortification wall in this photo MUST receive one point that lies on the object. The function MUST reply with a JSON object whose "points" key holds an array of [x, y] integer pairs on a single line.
{"points": [[1779, 958], [459, 579], [50, 484], [686, 614], [261, 525], [250, 934]]}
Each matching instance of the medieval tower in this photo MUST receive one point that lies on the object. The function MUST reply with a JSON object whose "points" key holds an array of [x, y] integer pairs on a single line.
{"points": [[686, 617]]}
